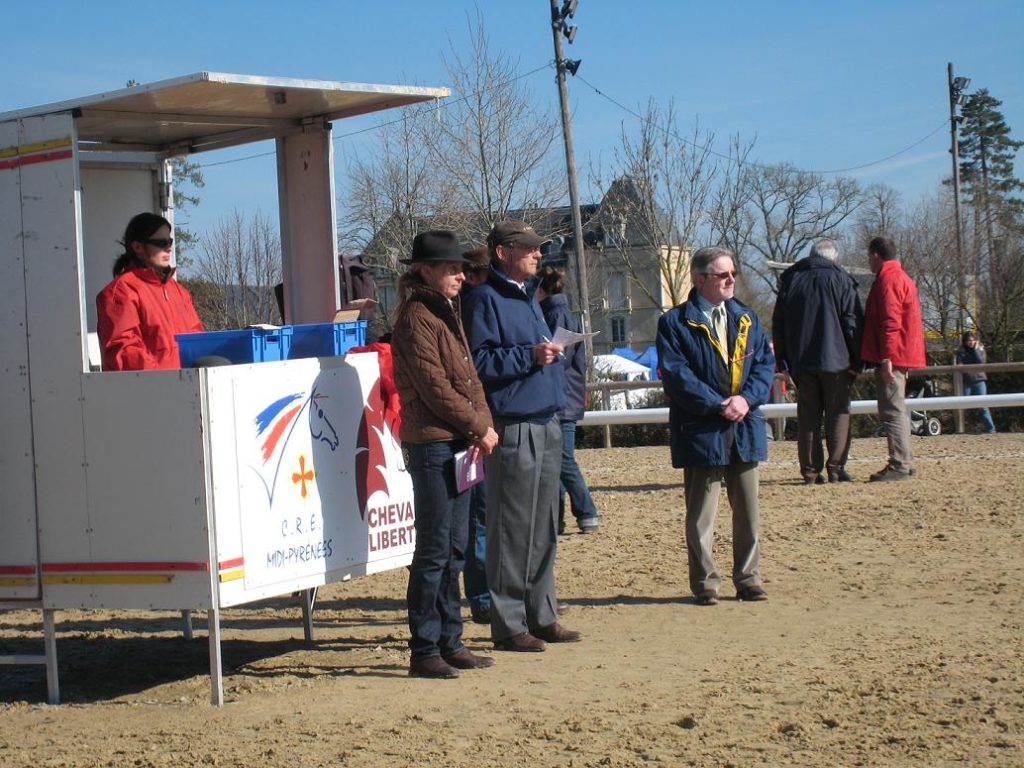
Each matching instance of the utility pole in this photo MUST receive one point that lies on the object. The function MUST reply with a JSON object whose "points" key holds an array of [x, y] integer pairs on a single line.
{"points": [[559, 27], [957, 85]]}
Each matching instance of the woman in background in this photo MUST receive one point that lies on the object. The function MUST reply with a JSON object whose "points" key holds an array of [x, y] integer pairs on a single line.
{"points": [[972, 352], [144, 307], [555, 307]]}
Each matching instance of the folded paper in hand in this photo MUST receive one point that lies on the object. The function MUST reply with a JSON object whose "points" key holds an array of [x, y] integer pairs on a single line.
{"points": [[567, 338], [468, 473]]}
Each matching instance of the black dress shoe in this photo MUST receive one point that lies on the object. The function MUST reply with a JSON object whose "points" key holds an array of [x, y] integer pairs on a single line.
{"points": [[432, 666], [839, 476], [751, 594], [463, 659], [524, 642], [556, 633], [814, 480]]}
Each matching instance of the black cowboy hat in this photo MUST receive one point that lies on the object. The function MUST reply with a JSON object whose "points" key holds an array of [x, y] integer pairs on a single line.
{"points": [[435, 245]]}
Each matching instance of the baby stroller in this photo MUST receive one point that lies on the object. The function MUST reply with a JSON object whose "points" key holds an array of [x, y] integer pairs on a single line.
{"points": [[920, 422]]}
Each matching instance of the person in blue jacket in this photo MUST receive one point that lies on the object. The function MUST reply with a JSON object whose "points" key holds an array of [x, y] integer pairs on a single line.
{"points": [[716, 367], [525, 392], [555, 306]]}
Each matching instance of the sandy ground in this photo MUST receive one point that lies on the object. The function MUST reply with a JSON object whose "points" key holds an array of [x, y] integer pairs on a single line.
{"points": [[893, 636]]}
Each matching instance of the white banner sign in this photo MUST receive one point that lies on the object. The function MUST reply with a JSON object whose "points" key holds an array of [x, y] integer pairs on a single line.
{"points": [[322, 482]]}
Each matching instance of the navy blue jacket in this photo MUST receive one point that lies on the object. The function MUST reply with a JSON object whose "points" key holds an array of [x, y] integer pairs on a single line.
{"points": [[818, 320], [696, 381], [558, 315], [503, 323]]}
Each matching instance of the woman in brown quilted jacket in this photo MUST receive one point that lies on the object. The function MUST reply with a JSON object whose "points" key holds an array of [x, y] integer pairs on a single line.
{"points": [[444, 412]]}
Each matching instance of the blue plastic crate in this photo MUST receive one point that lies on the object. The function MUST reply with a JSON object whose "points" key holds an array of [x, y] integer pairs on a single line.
{"points": [[249, 345], [324, 339]]}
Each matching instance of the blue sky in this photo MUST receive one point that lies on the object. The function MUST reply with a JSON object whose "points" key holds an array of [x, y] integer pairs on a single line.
{"points": [[821, 85]]}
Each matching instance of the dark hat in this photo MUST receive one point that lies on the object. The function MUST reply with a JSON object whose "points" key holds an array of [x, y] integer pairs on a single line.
{"points": [[435, 245], [477, 258], [512, 231]]}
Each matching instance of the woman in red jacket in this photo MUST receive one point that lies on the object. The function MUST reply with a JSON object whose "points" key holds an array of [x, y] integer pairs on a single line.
{"points": [[143, 307]]}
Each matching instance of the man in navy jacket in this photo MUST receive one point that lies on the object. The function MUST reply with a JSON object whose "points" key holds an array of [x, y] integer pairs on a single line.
{"points": [[816, 327], [513, 356], [717, 367]]}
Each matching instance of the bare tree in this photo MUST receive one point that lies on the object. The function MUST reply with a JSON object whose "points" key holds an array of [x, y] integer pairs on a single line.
{"points": [[658, 200], [881, 213], [492, 144], [484, 153], [241, 263], [391, 193], [732, 223], [792, 208]]}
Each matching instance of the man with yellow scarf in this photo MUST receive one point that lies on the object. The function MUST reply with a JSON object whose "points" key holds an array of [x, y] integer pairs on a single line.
{"points": [[717, 366]]}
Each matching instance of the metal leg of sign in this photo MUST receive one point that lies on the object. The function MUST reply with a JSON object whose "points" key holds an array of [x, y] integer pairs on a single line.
{"points": [[186, 624], [216, 676], [308, 599], [50, 644]]}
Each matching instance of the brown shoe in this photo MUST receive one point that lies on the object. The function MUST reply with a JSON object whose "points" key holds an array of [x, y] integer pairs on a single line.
{"points": [[463, 659], [556, 633], [524, 642], [432, 666]]}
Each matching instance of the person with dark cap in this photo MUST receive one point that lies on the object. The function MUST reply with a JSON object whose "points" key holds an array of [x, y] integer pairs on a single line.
{"points": [[443, 413], [474, 576], [525, 392]]}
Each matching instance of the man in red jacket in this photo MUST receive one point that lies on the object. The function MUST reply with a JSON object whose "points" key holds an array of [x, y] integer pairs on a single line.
{"points": [[894, 343]]}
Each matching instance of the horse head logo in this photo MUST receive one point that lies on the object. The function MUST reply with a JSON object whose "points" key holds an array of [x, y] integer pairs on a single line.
{"points": [[320, 428]]}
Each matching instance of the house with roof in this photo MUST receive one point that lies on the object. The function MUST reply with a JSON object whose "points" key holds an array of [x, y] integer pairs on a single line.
{"points": [[633, 274]]}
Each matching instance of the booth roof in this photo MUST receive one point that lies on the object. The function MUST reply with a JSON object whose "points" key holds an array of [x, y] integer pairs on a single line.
{"points": [[209, 110]]}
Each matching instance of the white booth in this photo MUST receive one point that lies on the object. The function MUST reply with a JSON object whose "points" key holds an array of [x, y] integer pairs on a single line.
{"points": [[193, 489]]}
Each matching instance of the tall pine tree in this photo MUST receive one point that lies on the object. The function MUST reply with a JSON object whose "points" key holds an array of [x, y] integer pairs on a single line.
{"points": [[991, 187], [987, 155]]}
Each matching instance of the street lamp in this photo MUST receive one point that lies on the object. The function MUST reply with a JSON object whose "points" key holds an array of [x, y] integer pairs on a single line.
{"points": [[957, 86]]}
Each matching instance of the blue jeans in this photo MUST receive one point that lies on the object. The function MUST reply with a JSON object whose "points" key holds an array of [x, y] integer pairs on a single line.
{"points": [[979, 388], [474, 578], [442, 527], [571, 481]]}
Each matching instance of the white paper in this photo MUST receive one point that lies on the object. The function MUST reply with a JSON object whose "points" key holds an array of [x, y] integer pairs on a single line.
{"points": [[567, 338], [468, 473]]}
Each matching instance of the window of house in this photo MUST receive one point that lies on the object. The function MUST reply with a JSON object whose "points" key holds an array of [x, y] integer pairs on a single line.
{"points": [[619, 329], [617, 291]]}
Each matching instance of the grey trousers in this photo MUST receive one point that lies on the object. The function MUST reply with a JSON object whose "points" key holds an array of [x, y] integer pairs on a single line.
{"points": [[703, 489], [522, 527], [892, 410], [817, 393]]}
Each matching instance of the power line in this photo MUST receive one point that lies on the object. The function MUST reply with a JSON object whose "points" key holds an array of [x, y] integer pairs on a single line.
{"points": [[452, 102], [708, 149]]}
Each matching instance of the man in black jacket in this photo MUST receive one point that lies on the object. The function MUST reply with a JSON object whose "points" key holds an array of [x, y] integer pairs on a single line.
{"points": [[816, 329]]}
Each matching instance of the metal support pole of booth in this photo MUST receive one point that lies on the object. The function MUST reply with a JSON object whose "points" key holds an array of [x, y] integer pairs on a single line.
{"points": [[49, 656]]}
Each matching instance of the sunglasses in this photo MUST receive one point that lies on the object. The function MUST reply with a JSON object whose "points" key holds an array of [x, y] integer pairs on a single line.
{"points": [[722, 275], [160, 242]]}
